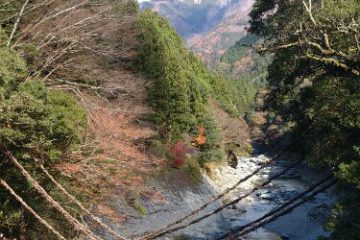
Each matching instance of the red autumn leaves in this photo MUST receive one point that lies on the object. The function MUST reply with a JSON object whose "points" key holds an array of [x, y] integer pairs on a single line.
{"points": [[179, 150]]}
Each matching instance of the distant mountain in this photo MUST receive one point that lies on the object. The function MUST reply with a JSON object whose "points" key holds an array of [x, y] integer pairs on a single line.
{"points": [[212, 45], [210, 27], [192, 17]]}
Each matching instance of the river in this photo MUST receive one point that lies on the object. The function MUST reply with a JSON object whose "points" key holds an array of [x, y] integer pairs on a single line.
{"points": [[180, 197]]}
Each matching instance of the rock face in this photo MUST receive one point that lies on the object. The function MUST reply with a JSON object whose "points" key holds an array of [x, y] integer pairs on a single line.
{"points": [[181, 197]]}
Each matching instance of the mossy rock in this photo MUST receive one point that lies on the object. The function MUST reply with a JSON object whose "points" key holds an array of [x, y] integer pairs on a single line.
{"points": [[134, 200]]}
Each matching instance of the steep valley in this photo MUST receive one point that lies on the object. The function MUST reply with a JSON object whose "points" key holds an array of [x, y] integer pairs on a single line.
{"points": [[156, 119]]}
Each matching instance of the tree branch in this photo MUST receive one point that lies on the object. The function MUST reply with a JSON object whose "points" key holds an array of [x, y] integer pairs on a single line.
{"points": [[334, 62], [308, 9], [17, 22]]}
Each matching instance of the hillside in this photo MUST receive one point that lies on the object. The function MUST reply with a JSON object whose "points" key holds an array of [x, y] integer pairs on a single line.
{"points": [[84, 117], [112, 128], [211, 45]]}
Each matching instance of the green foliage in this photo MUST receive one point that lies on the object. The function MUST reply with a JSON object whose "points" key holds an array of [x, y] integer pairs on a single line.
{"points": [[34, 117], [182, 83], [3, 38], [132, 7], [243, 93], [212, 132], [181, 237], [349, 172], [67, 117], [239, 50], [12, 69], [344, 220], [315, 87], [214, 155], [192, 168], [158, 148], [35, 122], [30, 53], [333, 109], [242, 89], [134, 200], [161, 59]]}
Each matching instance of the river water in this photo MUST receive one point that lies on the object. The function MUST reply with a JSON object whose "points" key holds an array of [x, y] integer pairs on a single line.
{"points": [[304, 223]]}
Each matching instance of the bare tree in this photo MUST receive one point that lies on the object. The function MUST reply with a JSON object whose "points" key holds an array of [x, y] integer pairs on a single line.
{"points": [[74, 40]]}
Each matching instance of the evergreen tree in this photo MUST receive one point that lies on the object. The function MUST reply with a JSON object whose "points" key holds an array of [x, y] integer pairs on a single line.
{"points": [[314, 82]]}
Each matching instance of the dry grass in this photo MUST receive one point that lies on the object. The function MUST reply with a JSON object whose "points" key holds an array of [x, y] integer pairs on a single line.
{"points": [[114, 159]]}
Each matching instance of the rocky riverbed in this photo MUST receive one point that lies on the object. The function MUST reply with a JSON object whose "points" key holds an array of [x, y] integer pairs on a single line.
{"points": [[304, 223]]}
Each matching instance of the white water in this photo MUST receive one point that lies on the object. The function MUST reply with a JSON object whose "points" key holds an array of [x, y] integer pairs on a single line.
{"points": [[304, 223]]}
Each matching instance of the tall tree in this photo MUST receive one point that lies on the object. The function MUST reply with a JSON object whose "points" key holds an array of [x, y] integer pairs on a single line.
{"points": [[314, 78]]}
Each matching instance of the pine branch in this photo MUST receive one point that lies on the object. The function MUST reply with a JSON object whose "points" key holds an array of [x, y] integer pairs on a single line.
{"points": [[17, 22]]}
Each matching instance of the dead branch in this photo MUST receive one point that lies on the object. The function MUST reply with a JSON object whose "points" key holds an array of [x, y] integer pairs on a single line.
{"points": [[308, 8], [17, 22]]}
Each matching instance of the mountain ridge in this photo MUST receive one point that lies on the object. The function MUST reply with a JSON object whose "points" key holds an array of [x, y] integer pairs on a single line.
{"points": [[198, 17]]}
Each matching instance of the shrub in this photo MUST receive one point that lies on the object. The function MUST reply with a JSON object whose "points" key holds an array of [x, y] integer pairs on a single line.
{"points": [[67, 116], [157, 148], [215, 155], [34, 122], [192, 168], [3, 37], [12, 69], [212, 133], [181, 237], [246, 149], [132, 7], [178, 154], [35, 117], [30, 53]]}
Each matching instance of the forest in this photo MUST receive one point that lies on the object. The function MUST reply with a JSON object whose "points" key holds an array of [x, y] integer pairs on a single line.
{"points": [[314, 87], [71, 72]]}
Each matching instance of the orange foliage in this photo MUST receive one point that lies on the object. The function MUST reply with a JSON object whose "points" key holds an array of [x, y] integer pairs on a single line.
{"points": [[201, 138]]}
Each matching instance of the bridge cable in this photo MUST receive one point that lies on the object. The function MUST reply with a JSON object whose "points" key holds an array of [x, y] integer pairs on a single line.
{"points": [[256, 188], [79, 204], [194, 212], [280, 211], [5, 185], [84, 229]]}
